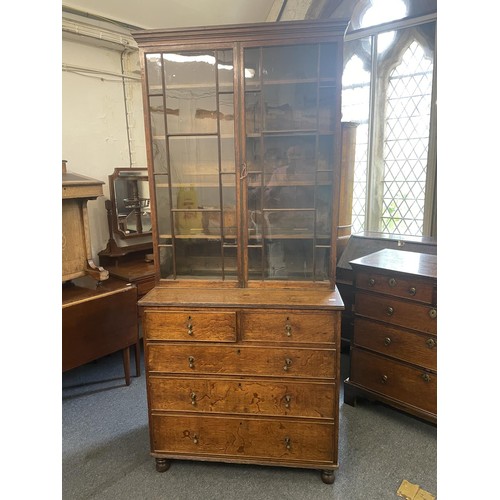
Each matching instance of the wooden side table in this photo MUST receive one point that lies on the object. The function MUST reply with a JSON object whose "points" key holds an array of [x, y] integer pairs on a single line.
{"points": [[97, 320]]}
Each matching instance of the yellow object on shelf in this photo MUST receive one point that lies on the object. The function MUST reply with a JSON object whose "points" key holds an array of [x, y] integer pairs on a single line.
{"points": [[190, 220]]}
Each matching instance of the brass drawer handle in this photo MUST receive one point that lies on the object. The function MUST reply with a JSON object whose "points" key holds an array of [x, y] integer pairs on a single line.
{"points": [[288, 363], [288, 330], [412, 290], [287, 401], [193, 398], [190, 326], [191, 362], [384, 379], [371, 282], [426, 377], [389, 311], [430, 343], [392, 282], [387, 340], [195, 438], [288, 443], [433, 313]]}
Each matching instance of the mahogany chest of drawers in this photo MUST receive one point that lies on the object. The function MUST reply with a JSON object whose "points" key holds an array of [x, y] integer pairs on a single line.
{"points": [[243, 375], [393, 356]]}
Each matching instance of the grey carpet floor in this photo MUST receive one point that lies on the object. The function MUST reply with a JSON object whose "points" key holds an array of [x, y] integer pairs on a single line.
{"points": [[105, 450]]}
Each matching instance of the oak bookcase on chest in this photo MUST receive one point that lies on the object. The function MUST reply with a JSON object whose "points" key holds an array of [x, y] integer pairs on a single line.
{"points": [[242, 328], [393, 356]]}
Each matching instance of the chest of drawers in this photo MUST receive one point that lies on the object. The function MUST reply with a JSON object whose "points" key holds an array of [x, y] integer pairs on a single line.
{"points": [[393, 356], [243, 375]]}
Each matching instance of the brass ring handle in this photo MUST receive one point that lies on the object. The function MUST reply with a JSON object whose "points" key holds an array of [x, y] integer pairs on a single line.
{"points": [[288, 363], [389, 311], [430, 343], [371, 281], [288, 443], [384, 379], [288, 330], [287, 401], [426, 377], [412, 290], [191, 362], [433, 313], [387, 340], [193, 398], [392, 282]]}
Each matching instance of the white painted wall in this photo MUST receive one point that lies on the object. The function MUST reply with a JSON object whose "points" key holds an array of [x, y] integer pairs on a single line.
{"points": [[94, 124]]}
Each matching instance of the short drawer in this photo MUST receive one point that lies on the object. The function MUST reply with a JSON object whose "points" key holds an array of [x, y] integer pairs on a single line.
{"points": [[257, 397], [289, 326], [397, 312], [243, 438], [396, 285], [216, 326], [404, 383], [392, 341], [241, 360]]}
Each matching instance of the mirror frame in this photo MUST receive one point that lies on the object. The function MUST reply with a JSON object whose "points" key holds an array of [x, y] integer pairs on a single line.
{"points": [[125, 174]]}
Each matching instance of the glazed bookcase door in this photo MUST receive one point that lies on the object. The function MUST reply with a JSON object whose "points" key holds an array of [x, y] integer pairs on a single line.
{"points": [[292, 118], [192, 135]]}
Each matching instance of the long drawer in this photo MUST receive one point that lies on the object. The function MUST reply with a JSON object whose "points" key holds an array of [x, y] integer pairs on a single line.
{"points": [[394, 379], [226, 359], [288, 326], [243, 438], [397, 312], [407, 287], [259, 397], [405, 345], [211, 326]]}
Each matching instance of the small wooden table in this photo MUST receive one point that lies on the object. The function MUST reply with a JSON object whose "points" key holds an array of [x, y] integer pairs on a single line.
{"points": [[99, 319]]}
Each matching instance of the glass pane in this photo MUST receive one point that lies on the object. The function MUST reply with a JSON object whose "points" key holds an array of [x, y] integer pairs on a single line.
{"points": [[194, 160], [328, 62], [252, 69], [225, 69], [191, 103], [290, 106], [153, 73], [296, 62], [163, 206], [166, 261], [252, 112]]}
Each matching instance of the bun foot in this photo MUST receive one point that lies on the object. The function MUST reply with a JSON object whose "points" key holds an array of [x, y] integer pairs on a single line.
{"points": [[162, 464], [328, 476]]}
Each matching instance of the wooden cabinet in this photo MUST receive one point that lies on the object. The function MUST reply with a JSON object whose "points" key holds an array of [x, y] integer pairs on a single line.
{"points": [[243, 377], [242, 329], [394, 351]]}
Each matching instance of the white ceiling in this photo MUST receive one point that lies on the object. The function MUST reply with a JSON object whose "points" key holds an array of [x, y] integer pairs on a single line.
{"points": [[150, 14]]}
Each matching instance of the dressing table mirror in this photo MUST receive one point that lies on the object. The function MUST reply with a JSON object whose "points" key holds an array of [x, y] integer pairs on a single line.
{"points": [[128, 253]]}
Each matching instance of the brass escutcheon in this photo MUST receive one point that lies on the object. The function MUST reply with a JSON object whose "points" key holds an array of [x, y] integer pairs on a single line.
{"points": [[288, 330], [193, 398], [191, 361], [412, 290], [387, 340], [384, 379], [195, 438], [288, 363], [426, 377], [430, 343], [392, 282], [288, 443], [433, 313], [389, 311], [287, 401], [371, 281]]}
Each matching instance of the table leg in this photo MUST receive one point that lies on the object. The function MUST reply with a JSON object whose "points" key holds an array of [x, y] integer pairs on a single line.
{"points": [[126, 364]]}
